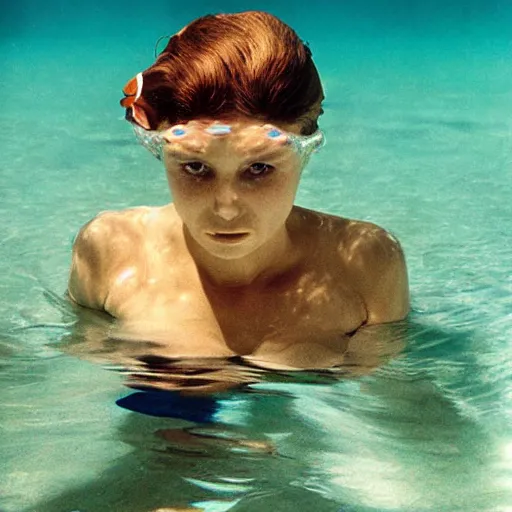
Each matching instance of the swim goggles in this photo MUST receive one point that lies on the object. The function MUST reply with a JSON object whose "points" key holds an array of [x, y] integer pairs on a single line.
{"points": [[303, 145]]}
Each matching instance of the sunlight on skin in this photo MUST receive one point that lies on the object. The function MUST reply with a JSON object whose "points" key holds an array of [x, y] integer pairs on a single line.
{"points": [[245, 138], [125, 275], [172, 275]]}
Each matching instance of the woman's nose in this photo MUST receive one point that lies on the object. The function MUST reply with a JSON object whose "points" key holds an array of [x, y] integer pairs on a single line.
{"points": [[226, 204]]}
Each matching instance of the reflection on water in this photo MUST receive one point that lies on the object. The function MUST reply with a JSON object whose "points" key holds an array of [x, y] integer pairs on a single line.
{"points": [[404, 430], [153, 364]]}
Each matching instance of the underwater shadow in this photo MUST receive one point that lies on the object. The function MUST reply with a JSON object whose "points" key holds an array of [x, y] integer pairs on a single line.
{"points": [[207, 434]]}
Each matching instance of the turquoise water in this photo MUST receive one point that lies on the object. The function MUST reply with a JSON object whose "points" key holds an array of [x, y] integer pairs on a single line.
{"points": [[418, 122]]}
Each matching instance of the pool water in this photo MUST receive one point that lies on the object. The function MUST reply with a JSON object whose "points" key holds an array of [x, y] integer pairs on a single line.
{"points": [[418, 119]]}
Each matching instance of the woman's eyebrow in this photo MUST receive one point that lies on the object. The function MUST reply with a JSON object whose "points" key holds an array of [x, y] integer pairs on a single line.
{"points": [[182, 157], [264, 154], [185, 153]]}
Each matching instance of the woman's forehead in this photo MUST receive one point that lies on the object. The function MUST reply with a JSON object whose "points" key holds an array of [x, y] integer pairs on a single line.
{"points": [[246, 136], [248, 139]]}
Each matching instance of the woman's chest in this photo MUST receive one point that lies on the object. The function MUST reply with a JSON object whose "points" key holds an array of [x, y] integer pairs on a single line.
{"points": [[300, 308], [248, 318]]}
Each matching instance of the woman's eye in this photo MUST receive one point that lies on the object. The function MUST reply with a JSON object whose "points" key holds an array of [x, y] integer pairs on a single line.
{"points": [[259, 169], [196, 169]]}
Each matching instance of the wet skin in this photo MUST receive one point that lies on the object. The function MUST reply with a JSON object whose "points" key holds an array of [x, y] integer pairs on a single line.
{"points": [[232, 266]]}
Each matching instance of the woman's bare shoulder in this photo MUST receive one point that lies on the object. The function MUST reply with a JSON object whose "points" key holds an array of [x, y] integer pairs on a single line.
{"points": [[351, 236], [124, 223], [372, 261], [375, 262], [113, 229], [332, 228], [109, 241]]}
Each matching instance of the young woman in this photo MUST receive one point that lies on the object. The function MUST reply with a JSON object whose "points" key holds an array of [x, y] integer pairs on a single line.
{"points": [[232, 267]]}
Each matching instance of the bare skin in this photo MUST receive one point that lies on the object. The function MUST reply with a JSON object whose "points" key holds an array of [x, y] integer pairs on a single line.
{"points": [[232, 267]]}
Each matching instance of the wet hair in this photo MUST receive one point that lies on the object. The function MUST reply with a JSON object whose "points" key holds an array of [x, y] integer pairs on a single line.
{"points": [[248, 63]]}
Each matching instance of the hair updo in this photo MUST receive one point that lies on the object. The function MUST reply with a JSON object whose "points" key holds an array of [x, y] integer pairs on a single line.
{"points": [[248, 63]]}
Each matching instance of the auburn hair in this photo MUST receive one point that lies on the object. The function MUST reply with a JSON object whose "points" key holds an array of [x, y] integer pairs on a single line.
{"points": [[248, 63]]}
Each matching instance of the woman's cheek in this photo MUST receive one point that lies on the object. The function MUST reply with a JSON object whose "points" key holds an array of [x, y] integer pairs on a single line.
{"points": [[282, 185], [188, 186]]}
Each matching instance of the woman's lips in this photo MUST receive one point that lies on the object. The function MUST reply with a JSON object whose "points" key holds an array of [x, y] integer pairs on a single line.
{"points": [[227, 237]]}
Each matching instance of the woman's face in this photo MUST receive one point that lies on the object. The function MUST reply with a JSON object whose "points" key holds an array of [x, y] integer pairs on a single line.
{"points": [[233, 191]]}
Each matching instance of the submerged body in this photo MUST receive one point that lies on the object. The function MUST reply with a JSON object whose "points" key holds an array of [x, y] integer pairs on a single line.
{"points": [[337, 276]]}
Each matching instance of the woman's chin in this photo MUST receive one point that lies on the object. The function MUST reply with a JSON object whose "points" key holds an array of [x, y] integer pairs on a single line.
{"points": [[228, 245]]}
